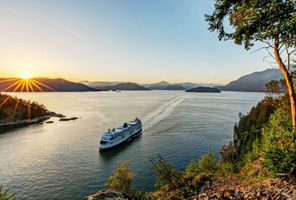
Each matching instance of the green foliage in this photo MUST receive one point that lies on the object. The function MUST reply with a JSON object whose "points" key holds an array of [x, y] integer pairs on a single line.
{"points": [[166, 172], [279, 143], [248, 135], [264, 132], [254, 153], [138, 195], [172, 184], [5, 194], [254, 20], [121, 181], [276, 87], [207, 164], [225, 168], [122, 178], [254, 120], [192, 168], [273, 23], [228, 153]]}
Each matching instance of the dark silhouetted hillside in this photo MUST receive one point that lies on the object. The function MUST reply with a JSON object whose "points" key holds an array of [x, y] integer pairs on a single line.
{"points": [[42, 85], [204, 89], [125, 86], [175, 87], [254, 82]]}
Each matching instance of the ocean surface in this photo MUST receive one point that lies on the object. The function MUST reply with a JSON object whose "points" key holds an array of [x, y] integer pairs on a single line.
{"points": [[61, 160]]}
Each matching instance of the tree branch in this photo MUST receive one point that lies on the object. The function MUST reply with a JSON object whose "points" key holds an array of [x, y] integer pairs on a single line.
{"points": [[289, 57], [259, 49], [270, 54]]}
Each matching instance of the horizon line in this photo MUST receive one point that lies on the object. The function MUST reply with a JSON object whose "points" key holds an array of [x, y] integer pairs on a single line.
{"points": [[119, 81]]}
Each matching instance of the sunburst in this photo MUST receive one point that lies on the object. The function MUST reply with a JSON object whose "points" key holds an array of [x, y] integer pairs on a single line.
{"points": [[23, 84]]}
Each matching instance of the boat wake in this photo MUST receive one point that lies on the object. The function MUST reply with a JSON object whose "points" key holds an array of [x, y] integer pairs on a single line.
{"points": [[160, 113]]}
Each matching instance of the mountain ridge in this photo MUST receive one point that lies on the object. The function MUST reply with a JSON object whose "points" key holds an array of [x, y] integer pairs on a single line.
{"points": [[42, 84], [124, 86], [253, 82]]}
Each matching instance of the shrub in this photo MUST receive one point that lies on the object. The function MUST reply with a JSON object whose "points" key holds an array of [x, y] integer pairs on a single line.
{"points": [[138, 195], [183, 188], [226, 168], [122, 178], [279, 143], [207, 164], [166, 193], [248, 135], [5, 194], [166, 172], [192, 168], [228, 153]]}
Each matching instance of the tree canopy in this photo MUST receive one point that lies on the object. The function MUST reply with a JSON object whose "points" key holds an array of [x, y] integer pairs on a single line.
{"points": [[272, 22], [255, 20]]}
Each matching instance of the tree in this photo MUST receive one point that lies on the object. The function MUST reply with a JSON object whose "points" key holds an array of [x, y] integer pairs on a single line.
{"points": [[166, 172], [269, 22], [279, 144], [122, 178], [207, 163], [275, 88]]}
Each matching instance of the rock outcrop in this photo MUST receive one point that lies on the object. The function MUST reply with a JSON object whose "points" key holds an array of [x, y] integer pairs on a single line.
{"points": [[106, 195], [270, 189]]}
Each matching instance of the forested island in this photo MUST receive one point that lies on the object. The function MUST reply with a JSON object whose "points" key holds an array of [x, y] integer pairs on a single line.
{"points": [[204, 90], [17, 112]]}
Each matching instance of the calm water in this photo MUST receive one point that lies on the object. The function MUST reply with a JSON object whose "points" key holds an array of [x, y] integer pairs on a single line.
{"points": [[61, 160]]}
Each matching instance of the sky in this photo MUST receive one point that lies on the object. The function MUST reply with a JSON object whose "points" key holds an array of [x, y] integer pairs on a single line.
{"points": [[118, 40]]}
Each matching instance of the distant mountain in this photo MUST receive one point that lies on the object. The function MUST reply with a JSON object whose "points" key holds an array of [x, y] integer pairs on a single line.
{"points": [[99, 84], [204, 89], [162, 85], [174, 87], [42, 84], [125, 86], [189, 85], [254, 82]]}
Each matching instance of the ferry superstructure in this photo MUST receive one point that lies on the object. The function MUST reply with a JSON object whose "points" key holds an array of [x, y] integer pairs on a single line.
{"points": [[117, 136]]}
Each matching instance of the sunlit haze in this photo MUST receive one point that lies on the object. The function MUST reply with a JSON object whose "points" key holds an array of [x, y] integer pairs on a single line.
{"points": [[26, 76], [118, 40]]}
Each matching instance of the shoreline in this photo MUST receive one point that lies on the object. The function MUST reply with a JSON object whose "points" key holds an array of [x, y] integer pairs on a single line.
{"points": [[22, 123]]}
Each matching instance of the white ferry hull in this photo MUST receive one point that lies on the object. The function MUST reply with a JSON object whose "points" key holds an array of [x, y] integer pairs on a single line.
{"points": [[120, 135], [116, 144]]}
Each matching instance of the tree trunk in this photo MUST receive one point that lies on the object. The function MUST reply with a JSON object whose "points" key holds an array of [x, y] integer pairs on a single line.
{"points": [[289, 82]]}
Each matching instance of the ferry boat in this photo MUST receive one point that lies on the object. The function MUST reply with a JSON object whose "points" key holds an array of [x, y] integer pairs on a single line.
{"points": [[116, 136]]}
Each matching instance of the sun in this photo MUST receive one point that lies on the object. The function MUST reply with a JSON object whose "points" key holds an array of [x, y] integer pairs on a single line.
{"points": [[26, 76]]}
